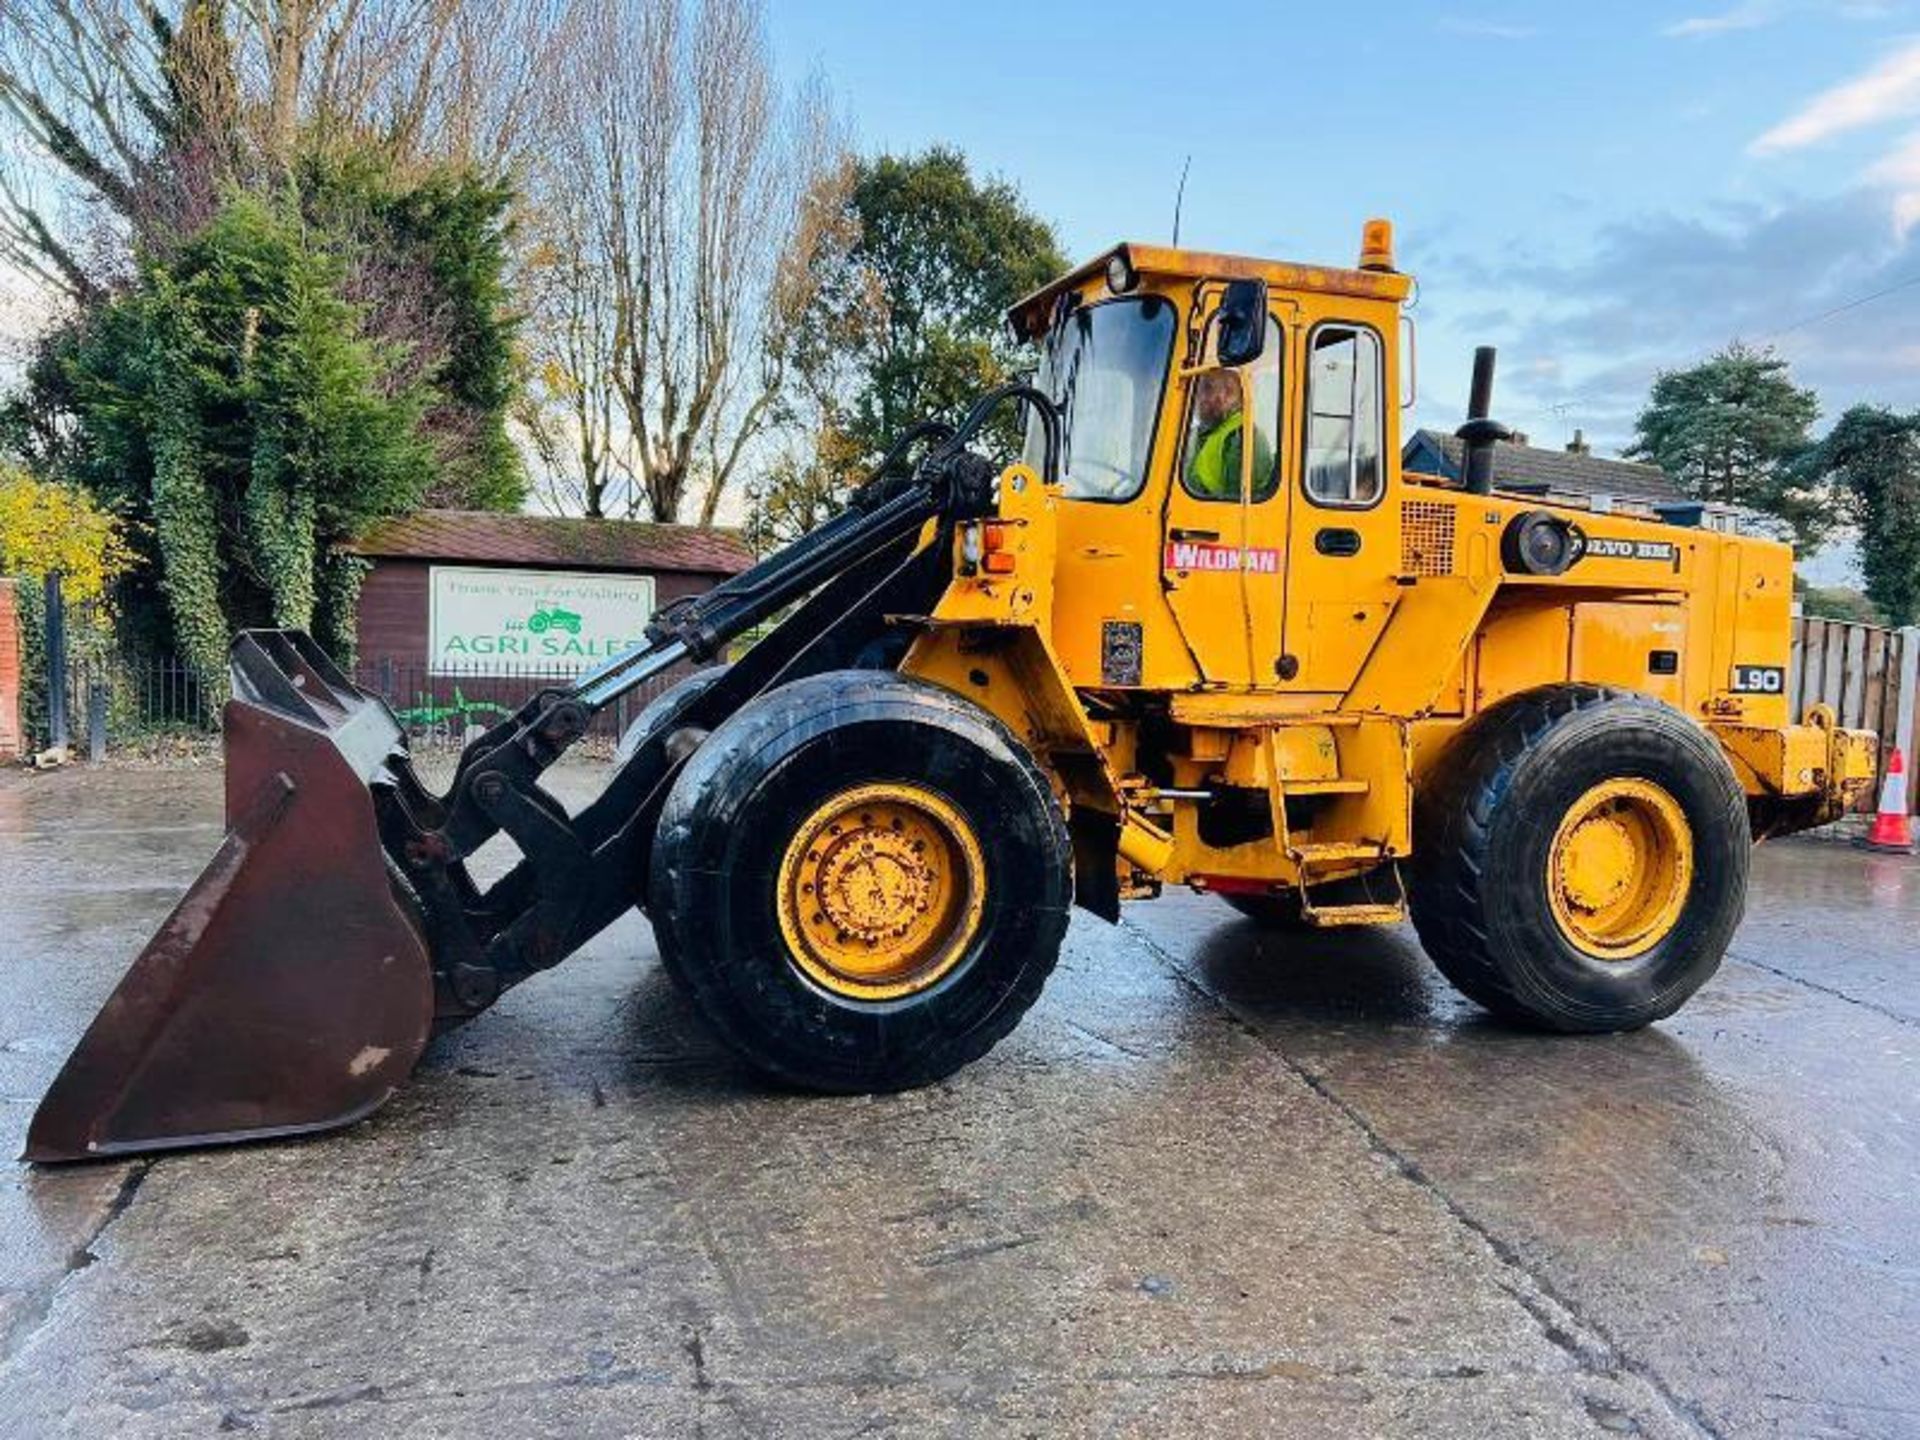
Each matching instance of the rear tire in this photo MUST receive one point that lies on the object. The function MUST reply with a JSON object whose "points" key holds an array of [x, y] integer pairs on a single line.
{"points": [[1581, 863], [861, 881]]}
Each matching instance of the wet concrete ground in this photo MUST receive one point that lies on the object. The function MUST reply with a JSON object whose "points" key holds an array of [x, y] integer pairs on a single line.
{"points": [[1218, 1183]]}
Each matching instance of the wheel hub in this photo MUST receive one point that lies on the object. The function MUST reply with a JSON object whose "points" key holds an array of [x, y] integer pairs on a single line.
{"points": [[1620, 868], [880, 891], [1598, 864], [871, 881]]}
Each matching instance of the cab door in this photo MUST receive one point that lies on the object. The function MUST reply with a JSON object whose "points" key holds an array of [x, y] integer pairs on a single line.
{"points": [[1343, 547], [1224, 539]]}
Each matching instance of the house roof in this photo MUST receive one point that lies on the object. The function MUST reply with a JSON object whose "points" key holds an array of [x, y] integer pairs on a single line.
{"points": [[576, 544], [1559, 470]]}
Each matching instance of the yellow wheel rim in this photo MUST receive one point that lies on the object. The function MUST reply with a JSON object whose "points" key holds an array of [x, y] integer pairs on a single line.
{"points": [[880, 891], [1620, 868]]}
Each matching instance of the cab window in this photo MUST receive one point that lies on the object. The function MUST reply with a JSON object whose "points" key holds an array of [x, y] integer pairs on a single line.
{"points": [[1344, 431], [1213, 453], [1106, 368]]}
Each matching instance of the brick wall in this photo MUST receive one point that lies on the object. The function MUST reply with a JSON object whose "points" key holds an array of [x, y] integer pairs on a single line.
{"points": [[10, 741]]}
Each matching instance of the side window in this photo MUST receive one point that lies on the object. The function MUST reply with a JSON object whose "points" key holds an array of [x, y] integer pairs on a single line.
{"points": [[1343, 416], [1215, 445]]}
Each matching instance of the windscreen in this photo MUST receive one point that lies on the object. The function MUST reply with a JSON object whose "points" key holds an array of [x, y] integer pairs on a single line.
{"points": [[1105, 367]]}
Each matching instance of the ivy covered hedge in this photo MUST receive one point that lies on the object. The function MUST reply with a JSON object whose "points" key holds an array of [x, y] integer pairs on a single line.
{"points": [[306, 362]]}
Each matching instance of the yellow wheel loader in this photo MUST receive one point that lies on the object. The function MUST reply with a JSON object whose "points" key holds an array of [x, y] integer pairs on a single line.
{"points": [[1204, 633]]}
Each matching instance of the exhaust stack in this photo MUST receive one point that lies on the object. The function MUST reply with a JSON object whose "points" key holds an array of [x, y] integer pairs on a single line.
{"points": [[1481, 432]]}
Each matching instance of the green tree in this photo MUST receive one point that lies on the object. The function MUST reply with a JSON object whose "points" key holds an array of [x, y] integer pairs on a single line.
{"points": [[232, 399], [288, 310], [1869, 463], [915, 273], [942, 256], [1837, 602], [1728, 429], [801, 488], [427, 251]]}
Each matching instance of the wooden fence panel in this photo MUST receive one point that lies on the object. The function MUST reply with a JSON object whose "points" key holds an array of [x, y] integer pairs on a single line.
{"points": [[1862, 671]]}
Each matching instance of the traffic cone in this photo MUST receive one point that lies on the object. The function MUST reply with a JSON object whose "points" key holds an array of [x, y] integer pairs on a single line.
{"points": [[1891, 828]]}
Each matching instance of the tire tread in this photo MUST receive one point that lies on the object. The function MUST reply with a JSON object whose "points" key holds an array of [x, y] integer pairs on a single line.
{"points": [[1454, 820]]}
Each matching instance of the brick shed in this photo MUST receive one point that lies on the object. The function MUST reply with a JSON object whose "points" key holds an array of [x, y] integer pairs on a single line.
{"points": [[478, 593]]}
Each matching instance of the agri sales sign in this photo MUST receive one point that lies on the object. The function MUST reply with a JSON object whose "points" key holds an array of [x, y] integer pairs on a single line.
{"points": [[504, 622]]}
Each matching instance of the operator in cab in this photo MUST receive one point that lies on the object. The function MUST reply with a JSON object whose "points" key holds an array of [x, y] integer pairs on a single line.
{"points": [[1219, 422]]}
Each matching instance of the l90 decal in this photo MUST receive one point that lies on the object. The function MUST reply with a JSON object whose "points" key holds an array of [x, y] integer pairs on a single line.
{"points": [[1759, 680]]}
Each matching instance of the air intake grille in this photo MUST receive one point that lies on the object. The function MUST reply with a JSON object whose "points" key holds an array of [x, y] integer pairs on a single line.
{"points": [[1426, 537]]}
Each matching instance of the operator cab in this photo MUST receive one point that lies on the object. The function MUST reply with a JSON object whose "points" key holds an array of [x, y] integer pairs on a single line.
{"points": [[1231, 416]]}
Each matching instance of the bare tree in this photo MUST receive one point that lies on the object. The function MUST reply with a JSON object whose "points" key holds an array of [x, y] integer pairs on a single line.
{"points": [[676, 190], [122, 119], [568, 406]]}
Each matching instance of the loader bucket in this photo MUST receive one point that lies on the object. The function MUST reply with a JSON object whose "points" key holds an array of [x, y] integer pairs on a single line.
{"points": [[290, 990]]}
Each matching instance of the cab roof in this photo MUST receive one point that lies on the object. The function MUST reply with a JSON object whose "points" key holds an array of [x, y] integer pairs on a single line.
{"points": [[1029, 316]]}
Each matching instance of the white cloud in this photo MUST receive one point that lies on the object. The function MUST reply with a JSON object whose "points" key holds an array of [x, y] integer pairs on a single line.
{"points": [[1899, 171], [1888, 91], [1752, 14], [1825, 279], [1741, 17], [1488, 29]]}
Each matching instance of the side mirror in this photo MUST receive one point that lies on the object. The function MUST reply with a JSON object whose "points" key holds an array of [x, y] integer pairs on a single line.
{"points": [[1243, 322]]}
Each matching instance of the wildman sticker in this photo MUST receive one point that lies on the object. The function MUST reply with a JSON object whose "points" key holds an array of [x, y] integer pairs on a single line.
{"points": [[1197, 555]]}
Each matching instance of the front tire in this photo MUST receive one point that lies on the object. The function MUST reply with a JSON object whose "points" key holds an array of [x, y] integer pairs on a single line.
{"points": [[663, 707], [1581, 865], [861, 881]]}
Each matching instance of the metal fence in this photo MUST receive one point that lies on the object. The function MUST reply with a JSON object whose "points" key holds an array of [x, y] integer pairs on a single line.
{"points": [[439, 706], [115, 702]]}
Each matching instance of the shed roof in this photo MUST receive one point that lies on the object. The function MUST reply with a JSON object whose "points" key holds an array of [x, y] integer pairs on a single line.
{"points": [[492, 537], [1566, 471]]}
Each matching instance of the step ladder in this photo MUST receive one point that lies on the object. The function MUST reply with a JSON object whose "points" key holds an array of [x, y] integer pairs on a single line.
{"points": [[1309, 856]]}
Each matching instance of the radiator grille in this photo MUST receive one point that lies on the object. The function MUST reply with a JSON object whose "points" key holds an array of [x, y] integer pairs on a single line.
{"points": [[1426, 537]]}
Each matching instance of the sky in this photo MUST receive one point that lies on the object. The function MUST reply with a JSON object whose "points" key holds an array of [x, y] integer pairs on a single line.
{"points": [[1601, 190]]}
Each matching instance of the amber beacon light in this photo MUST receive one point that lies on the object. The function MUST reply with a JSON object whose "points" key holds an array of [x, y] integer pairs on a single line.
{"points": [[1376, 245]]}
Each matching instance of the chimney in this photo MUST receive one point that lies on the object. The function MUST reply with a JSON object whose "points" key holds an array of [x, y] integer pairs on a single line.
{"points": [[1519, 437], [1578, 445]]}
